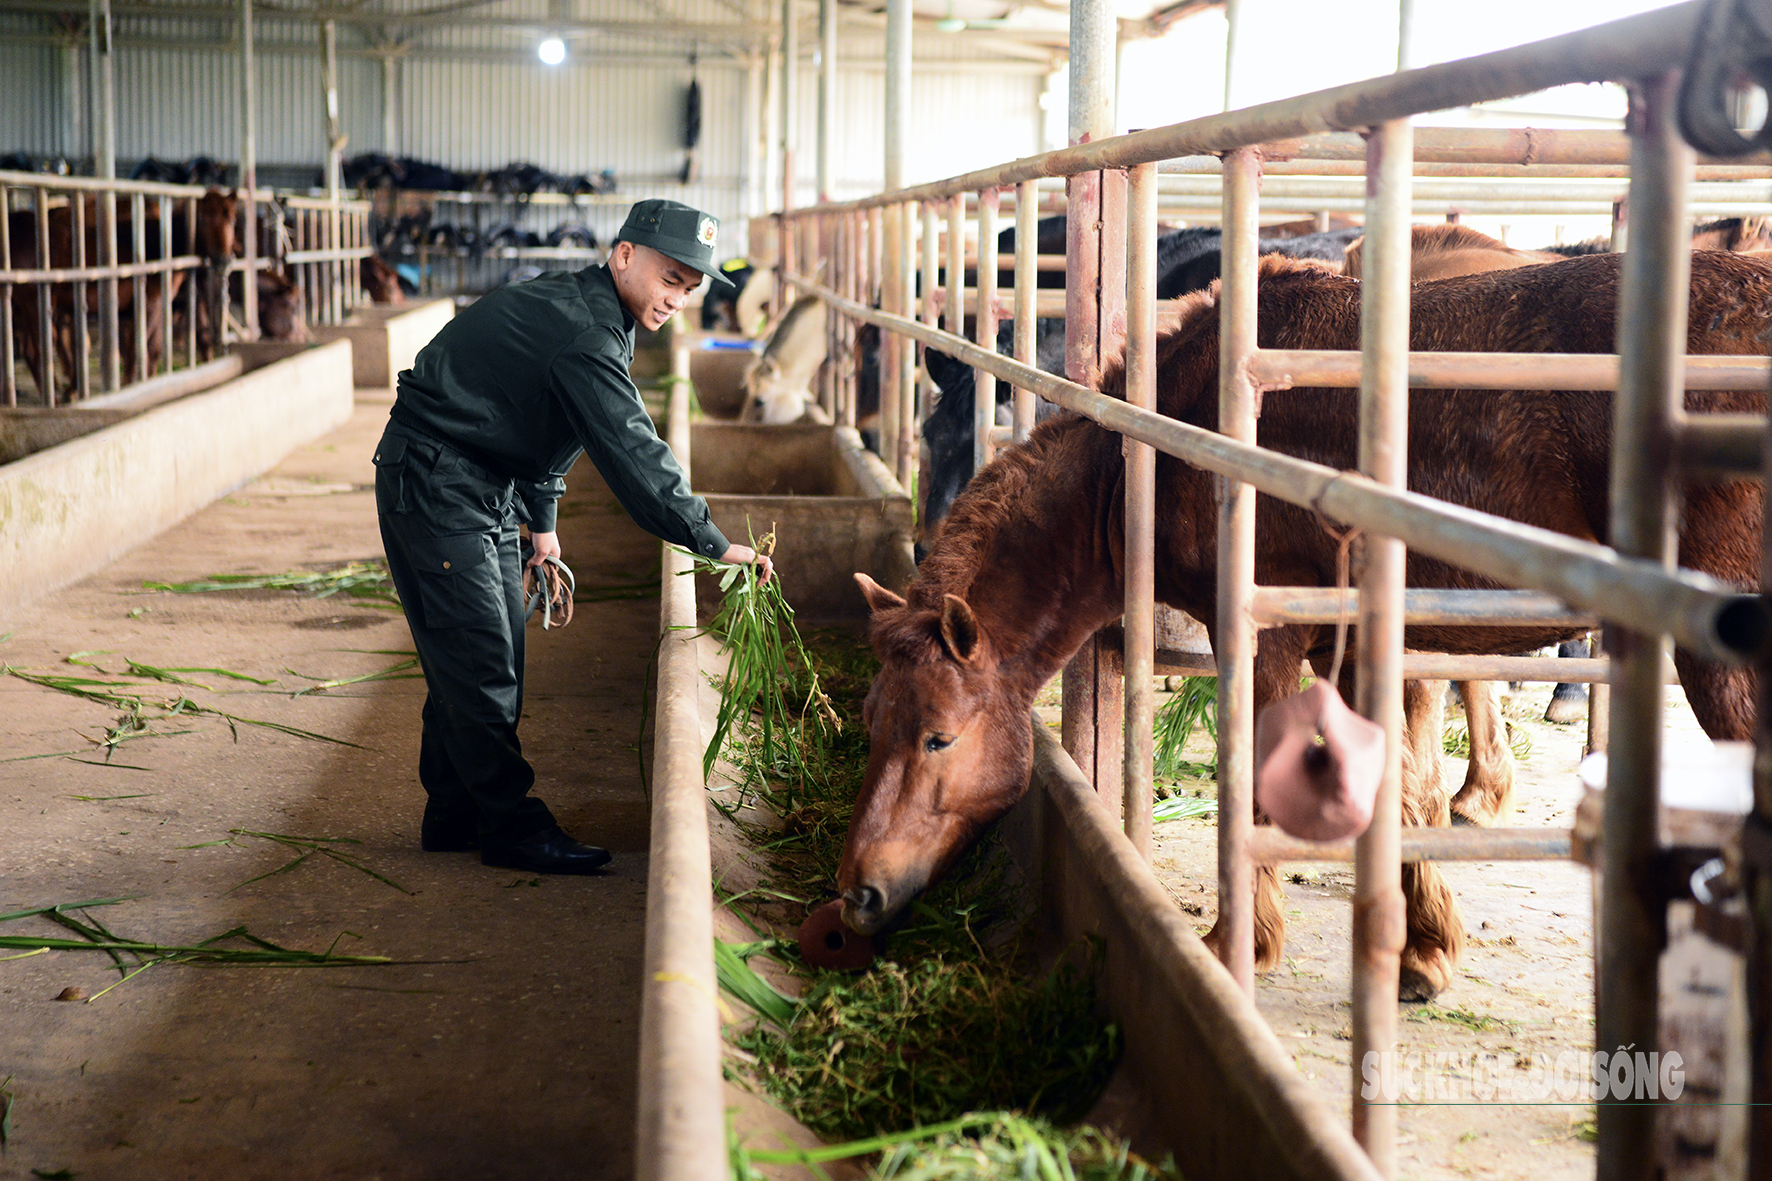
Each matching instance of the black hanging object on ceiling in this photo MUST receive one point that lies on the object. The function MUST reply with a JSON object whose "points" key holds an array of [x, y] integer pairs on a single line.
{"points": [[692, 110]]}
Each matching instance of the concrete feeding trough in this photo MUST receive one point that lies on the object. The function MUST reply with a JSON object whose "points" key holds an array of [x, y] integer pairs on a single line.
{"points": [[833, 506], [718, 362], [95, 480], [385, 338]]}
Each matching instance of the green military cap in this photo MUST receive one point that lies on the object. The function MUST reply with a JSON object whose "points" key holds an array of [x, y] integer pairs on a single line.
{"points": [[677, 231]]}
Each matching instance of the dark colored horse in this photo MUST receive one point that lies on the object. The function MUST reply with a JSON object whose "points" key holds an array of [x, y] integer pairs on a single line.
{"points": [[380, 280], [1029, 563]]}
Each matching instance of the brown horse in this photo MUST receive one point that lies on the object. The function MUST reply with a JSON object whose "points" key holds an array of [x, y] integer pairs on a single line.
{"points": [[1028, 564]]}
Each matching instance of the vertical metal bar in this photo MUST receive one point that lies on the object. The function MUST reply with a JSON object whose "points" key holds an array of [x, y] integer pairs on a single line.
{"points": [[984, 330], [1652, 346], [1141, 498], [9, 374], [249, 171], [1233, 15], [926, 309], [956, 276], [105, 166], [163, 206], [191, 286], [871, 292], [827, 95], [138, 238], [1234, 643], [790, 98], [891, 300], [854, 233], [906, 393], [390, 110], [1093, 29], [1027, 247], [45, 320], [1384, 451], [82, 376]]}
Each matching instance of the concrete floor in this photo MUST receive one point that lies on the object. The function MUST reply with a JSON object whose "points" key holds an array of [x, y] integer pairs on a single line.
{"points": [[507, 1049]]}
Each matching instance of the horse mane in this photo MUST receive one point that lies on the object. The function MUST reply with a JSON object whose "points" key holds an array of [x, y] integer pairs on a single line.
{"points": [[1734, 230], [1600, 245], [1443, 239]]}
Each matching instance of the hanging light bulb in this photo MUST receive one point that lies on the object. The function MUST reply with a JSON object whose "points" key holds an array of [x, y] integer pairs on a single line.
{"points": [[552, 51]]}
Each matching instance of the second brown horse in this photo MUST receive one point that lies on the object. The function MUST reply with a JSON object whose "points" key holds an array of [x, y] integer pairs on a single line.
{"points": [[1029, 562]]}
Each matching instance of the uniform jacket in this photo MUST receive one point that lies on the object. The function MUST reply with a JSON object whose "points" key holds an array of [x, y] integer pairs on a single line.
{"points": [[532, 375]]}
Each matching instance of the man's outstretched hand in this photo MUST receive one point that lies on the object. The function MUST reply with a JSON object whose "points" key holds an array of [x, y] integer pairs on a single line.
{"points": [[744, 555]]}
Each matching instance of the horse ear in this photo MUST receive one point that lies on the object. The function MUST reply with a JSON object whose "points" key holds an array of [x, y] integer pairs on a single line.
{"points": [[959, 629], [878, 597]]}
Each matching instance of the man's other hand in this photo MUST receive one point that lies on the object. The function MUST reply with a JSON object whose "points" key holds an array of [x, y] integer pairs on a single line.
{"points": [[744, 555], [547, 545]]}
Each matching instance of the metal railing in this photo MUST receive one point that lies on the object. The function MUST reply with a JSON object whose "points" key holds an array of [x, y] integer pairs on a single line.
{"points": [[77, 255], [105, 284], [328, 241], [839, 253]]}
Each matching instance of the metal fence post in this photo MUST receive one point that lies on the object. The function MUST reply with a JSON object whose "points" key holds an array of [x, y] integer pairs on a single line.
{"points": [[984, 329], [1652, 344], [1378, 927], [1234, 642], [1027, 247], [1141, 496]]}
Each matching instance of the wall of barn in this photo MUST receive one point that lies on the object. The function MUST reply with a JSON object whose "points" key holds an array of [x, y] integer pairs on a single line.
{"points": [[471, 101]]}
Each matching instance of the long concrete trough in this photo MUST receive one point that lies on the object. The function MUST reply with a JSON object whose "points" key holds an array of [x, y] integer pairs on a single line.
{"points": [[385, 338], [1214, 1085], [105, 481]]}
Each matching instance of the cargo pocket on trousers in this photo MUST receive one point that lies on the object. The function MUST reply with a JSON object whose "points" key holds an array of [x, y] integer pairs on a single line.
{"points": [[390, 475], [458, 579]]}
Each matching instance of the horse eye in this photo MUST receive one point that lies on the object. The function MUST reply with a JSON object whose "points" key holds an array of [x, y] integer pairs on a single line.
{"points": [[938, 742]]}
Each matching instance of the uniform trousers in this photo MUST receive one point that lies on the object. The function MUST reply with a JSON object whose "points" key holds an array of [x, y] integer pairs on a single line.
{"points": [[449, 528]]}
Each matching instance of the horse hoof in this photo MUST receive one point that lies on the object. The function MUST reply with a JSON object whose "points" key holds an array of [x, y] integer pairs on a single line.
{"points": [[1480, 814], [1414, 985], [1564, 710]]}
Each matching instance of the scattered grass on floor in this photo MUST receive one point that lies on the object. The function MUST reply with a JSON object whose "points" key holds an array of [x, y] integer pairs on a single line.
{"points": [[305, 848], [141, 714], [359, 580], [1462, 1015], [132, 957]]}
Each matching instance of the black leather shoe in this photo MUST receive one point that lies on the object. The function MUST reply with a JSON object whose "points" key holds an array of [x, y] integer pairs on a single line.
{"points": [[548, 851], [447, 833]]}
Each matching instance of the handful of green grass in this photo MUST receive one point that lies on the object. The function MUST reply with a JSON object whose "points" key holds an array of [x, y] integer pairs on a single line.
{"points": [[771, 698]]}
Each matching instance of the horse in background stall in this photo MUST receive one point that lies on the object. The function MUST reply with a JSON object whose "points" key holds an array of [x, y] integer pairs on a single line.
{"points": [[381, 281], [211, 238], [1030, 561]]}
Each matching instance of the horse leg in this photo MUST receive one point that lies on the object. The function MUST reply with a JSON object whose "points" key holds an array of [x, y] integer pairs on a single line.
{"points": [[1722, 699], [1435, 931], [1278, 655], [1568, 702], [1488, 790]]}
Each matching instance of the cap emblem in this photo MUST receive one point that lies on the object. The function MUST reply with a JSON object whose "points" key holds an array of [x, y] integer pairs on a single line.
{"points": [[705, 232]]}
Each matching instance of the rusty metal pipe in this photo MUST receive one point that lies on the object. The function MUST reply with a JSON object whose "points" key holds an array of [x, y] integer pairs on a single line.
{"points": [[1025, 259], [984, 325], [1236, 575], [1141, 502], [1284, 368], [1719, 445], [1652, 337], [1270, 846], [1632, 47], [1276, 606], [1378, 927]]}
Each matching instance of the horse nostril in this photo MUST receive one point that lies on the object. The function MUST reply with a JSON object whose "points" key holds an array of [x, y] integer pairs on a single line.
{"points": [[865, 901]]}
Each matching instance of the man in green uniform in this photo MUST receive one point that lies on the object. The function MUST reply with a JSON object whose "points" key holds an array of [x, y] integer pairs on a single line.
{"points": [[486, 423]]}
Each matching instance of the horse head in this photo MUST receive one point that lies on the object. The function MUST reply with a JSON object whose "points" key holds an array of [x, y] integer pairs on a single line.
{"points": [[949, 753]]}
